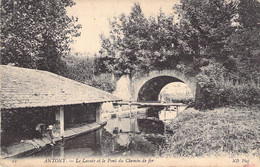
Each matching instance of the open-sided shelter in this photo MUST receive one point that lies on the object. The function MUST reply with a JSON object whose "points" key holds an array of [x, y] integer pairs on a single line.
{"points": [[30, 96]]}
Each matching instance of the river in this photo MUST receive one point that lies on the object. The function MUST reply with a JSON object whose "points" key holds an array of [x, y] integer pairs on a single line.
{"points": [[136, 136]]}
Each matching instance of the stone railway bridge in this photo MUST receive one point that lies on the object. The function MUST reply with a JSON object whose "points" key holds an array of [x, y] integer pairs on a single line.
{"points": [[147, 87]]}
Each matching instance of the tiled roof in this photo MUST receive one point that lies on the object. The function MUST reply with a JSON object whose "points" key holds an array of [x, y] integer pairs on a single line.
{"points": [[22, 87]]}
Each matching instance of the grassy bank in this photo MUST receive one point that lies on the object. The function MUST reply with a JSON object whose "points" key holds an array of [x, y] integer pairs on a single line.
{"points": [[232, 131]]}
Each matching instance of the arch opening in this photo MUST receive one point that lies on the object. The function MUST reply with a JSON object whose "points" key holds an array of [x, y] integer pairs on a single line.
{"points": [[151, 89], [176, 92]]}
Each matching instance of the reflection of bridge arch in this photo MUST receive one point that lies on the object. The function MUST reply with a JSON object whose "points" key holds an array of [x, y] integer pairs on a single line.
{"points": [[147, 87]]}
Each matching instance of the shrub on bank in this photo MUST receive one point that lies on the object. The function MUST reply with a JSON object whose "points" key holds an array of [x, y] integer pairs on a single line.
{"points": [[226, 93], [221, 131], [237, 94], [214, 90]]}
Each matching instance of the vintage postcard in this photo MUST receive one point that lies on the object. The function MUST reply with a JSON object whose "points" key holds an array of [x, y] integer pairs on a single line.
{"points": [[130, 83]]}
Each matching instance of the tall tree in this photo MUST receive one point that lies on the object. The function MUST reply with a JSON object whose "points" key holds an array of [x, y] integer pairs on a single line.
{"points": [[205, 26], [36, 34], [207, 31], [126, 38], [249, 13], [139, 44], [244, 44]]}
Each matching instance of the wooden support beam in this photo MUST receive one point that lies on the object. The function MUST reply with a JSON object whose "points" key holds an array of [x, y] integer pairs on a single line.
{"points": [[98, 113], [62, 153], [130, 109], [62, 121], [98, 138], [59, 117], [119, 108], [165, 113]]}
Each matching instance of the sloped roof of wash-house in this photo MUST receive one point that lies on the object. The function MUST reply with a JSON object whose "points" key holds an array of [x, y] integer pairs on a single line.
{"points": [[22, 87]]}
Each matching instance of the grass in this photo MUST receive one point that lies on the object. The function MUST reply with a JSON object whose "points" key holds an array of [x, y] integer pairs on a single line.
{"points": [[232, 131]]}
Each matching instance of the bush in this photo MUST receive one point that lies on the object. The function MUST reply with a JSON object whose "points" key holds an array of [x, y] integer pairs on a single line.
{"points": [[215, 91], [226, 93]]}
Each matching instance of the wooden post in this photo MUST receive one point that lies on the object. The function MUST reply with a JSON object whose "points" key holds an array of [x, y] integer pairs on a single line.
{"points": [[98, 113], [98, 139], [130, 107], [165, 110], [119, 109], [62, 150], [62, 121], [59, 116]]}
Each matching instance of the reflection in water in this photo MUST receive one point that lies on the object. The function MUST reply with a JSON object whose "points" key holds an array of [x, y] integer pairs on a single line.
{"points": [[80, 146], [120, 137], [124, 125]]}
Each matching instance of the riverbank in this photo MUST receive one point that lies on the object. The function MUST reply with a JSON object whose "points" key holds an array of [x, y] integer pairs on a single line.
{"points": [[37, 144], [224, 131]]}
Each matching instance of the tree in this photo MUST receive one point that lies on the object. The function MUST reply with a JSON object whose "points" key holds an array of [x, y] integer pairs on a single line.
{"points": [[79, 67], [138, 44], [207, 32], [163, 42], [220, 31], [249, 13], [205, 26], [124, 43], [85, 68], [36, 34], [244, 43]]}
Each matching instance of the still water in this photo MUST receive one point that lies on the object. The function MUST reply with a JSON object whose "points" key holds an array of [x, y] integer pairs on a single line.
{"points": [[137, 136]]}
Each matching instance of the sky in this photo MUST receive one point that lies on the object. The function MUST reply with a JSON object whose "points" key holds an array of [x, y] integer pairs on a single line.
{"points": [[94, 14]]}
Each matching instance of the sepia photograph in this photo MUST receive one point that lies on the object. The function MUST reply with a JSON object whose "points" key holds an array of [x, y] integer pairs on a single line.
{"points": [[130, 83]]}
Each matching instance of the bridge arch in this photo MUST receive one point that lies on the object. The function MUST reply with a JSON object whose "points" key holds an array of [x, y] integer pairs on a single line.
{"points": [[146, 87], [151, 89]]}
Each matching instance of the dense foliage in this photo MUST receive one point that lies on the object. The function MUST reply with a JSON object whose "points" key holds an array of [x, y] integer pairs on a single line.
{"points": [[205, 32], [36, 34], [83, 68], [215, 89], [136, 43]]}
